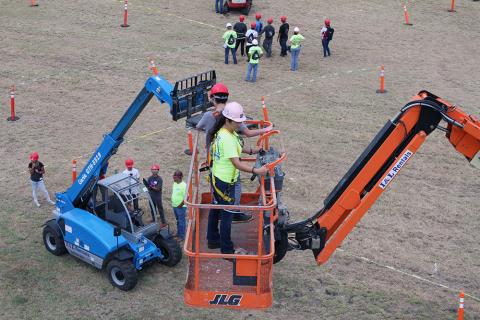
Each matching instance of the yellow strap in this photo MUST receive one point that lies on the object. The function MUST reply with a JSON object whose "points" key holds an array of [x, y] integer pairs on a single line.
{"points": [[220, 193]]}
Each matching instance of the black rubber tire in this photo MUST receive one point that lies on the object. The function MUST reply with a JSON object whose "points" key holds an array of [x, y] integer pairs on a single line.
{"points": [[170, 250], [53, 241], [281, 247], [225, 7], [122, 274]]}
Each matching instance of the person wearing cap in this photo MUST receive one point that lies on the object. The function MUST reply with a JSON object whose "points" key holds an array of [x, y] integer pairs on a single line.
{"points": [[251, 35], [241, 29], [326, 33], [254, 55], [259, 26], [155, 185], [295, 46], [230, 38], [134, 191], [283, 35], [269, 31], [226, 166], [37, 170], [179, 189]]}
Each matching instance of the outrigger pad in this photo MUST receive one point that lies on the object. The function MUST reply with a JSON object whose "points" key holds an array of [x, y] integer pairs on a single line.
{"points": [[190, 95]]}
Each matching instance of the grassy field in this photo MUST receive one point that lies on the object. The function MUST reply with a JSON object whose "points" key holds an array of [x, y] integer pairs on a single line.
{"points": [[76, 71]]}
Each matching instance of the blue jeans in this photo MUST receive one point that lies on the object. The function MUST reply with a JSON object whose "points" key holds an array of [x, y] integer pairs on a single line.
{"points": [[283, 45], [326, 49], [237, 187], [225, 217], [295, 53], [219, 6], [267, 45], [234, 55], [181, 225], [251, 66]]}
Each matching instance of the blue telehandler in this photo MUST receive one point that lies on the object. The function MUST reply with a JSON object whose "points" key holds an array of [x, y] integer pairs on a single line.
{"points": [[111, 223]]}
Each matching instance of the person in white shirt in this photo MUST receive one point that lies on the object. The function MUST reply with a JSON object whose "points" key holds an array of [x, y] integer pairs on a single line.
{"points": [[134, 191]]}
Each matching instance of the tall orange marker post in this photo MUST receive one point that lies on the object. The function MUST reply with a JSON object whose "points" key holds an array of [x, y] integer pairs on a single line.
{"points": [[382, 80], [33, 4], [452, 8], [461, 306], [12, 116], [125, 16], [189, 151], [407, 21], [74, 170]]}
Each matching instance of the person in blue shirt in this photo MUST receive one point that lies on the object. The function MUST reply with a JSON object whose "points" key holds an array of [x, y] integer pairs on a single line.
{"points": [[258, 26]]}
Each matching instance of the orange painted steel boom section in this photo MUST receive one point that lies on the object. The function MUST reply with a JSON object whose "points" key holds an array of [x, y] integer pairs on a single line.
{"points": [[387, 154]]}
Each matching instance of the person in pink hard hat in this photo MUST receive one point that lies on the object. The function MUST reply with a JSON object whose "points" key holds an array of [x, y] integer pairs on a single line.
{"points": [[225, 167]]}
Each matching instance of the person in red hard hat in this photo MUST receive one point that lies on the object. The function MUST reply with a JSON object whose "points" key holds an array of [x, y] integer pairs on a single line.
{"points": [[226, 166], [269, 32], [327, 35], [259, 26], [155, 186], [251, 35], [283, 35], [37, 170], [134, 191], [241, 29]]}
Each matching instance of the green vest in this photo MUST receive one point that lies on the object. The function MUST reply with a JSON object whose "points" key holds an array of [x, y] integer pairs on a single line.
{"points": [[230, 38], [254, 54]]}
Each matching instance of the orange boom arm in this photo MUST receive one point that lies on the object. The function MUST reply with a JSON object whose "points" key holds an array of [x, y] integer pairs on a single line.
{"points": [[377, 166]]}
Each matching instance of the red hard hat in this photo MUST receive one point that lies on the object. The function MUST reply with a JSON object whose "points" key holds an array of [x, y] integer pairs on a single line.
{"points": [[253, 25], [34, 156], [155, 167], [242, 18], [129, 163], [327, 22], [219, 88], [258, 16], [283, 18], [270, 20]]}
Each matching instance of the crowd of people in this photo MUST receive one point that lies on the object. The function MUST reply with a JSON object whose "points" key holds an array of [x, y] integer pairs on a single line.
{"points": [[249, 40]]}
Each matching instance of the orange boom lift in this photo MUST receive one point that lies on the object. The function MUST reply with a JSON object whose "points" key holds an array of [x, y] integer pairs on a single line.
{"points": [[245, 281]]}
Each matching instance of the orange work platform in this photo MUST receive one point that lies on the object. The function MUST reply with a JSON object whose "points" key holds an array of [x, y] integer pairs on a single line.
{"points": [[231, 280]]}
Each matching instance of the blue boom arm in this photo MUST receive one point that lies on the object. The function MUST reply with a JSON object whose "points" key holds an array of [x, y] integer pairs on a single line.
{"points": [[184, 100]]}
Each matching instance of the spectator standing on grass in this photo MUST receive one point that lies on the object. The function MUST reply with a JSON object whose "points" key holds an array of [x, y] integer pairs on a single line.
{"points": [[283, 35], [295, 47], [179, 208], [155, 186], [37, 170], [254, 55], [241, 29], [269, 31], [327, 36], [230, 38], [251, 35], [134, 191]]}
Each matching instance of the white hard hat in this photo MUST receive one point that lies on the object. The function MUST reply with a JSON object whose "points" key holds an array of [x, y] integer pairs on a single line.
{"points": [[255, 42], [296, 29], [234, 111], [229, 25]]}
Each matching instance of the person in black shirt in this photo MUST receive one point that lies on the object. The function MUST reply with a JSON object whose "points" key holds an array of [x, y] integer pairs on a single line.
{"points": [[283, 35], [155, 184], [269, 31], [37, 170], [240, 28]]}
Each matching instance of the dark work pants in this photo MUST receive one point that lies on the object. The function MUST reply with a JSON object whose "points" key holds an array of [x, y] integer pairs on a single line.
{"points": [[241, 43], [326, 49], [157, 202], [283, 45], [225, 217], [267, 45]]}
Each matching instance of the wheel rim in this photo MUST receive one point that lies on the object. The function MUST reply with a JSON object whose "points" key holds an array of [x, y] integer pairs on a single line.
{"points": [[117, 276], [50, 241]]}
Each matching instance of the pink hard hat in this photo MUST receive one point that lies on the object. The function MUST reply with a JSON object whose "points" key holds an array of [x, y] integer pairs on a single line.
{"points": [[234, 112]]}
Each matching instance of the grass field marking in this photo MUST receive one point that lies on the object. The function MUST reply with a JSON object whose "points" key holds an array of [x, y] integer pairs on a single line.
{"points": [[411, 275]]}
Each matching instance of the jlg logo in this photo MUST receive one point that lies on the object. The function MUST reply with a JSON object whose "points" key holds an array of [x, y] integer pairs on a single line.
{"points": [[225, 300]]}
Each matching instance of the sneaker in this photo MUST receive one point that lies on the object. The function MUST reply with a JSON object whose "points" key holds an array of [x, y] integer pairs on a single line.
{"points": [[51, 202], [213, 245], [242, 217], [37, 204], [239, 251]]}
